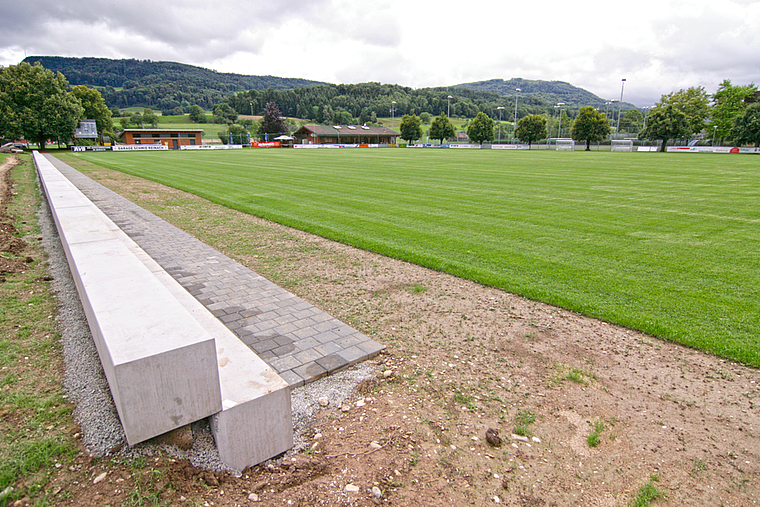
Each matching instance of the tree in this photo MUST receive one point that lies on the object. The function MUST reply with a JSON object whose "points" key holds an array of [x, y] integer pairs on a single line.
{"points": [[425, 117], [94, 108], [665, 122], [149, 117], [480, 128], [196, 114], [590, 126], [531, 128], [137, 120], [729, 102], [272, 123], [410, 128], [746, 129], [34, 105], [694, 103], [441, 128], [223, 113]]}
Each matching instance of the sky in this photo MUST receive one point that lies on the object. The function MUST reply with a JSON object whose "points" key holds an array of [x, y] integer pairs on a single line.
{"points": [[657, 46]]}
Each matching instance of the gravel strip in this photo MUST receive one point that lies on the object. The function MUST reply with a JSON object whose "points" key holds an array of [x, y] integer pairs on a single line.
{"points": [[86, 386]]}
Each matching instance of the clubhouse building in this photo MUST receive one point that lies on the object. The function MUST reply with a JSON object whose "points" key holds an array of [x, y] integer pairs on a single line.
{"points": [[172, 138], [345, 134]]}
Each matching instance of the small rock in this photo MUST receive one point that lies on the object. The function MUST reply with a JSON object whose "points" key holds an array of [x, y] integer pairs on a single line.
{"points": [[323, 401], [520, 438], [496, 499], [100, 478], [345, 407], [536, 440], [375, 445], [317, 436], [376, 492], [351, 488], [182, 499], [253, 497], [493, 438], [387, 373], [360, 403], [181, 437]]}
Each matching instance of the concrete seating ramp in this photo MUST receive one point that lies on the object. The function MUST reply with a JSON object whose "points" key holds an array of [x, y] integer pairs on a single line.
{"points": [[167, 359]]}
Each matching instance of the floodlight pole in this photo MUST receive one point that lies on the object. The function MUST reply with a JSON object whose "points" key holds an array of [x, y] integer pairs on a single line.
{"points": [[500, 108], [517, 91], [646, 112], [251, 103], [393, 114], [620, 111], [715, 131], [448, 104], [559, 128]]}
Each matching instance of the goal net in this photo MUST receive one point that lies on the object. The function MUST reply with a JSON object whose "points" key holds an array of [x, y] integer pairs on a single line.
{"points": [[622, 145], [565, 145]]}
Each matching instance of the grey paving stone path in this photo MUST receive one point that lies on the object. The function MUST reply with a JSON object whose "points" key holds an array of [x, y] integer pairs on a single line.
{"points": [[301, 342]]}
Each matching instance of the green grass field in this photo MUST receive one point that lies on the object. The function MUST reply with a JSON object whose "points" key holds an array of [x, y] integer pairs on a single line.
{"points": [[663, 243]]}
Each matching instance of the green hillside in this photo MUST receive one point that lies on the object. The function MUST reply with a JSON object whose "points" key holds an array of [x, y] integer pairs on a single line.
{"points": [[549, 92], [159, 85]]}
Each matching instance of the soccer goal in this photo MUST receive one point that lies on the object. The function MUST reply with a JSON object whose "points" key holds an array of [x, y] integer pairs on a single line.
{"points": [[622, 145], [565, 145]]}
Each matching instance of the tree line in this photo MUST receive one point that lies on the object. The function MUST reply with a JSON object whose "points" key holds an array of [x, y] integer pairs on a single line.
{"points": [[732, 113], [366, 102], [167, 86]]}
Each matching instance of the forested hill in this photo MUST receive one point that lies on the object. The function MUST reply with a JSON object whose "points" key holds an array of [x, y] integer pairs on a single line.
{"points": [[174, 87], [551, 91], [339, 104], [159, 85]]}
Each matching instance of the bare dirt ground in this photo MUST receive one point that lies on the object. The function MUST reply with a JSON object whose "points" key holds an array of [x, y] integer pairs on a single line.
{"points": [[10, 245], [461, 358]]}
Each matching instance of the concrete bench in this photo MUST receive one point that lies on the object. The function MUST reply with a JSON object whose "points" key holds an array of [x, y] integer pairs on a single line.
{"points": [[168, 361]]}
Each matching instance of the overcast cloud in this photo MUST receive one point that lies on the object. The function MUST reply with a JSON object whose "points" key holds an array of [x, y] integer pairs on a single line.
{"points": [[658, 46]]}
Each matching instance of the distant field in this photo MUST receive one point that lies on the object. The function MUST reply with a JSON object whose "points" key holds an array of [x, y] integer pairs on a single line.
{"points": [[664, 243]]}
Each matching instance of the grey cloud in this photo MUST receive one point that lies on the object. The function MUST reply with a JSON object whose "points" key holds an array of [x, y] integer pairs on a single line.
{"points": [[217, 28]]}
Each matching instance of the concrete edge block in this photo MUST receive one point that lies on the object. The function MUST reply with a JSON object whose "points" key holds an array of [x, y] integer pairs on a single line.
{"points": [[255, 431], [161, 375]]}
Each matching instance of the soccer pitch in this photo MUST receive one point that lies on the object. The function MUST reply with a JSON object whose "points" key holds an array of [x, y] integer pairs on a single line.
{"points": [[663, 243]]}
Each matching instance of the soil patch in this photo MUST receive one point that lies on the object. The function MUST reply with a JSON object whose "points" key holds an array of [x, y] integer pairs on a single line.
{"points": [[12, 258]]}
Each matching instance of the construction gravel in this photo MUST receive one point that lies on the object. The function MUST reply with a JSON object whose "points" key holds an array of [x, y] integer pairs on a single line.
{"points": [[86, 386]]}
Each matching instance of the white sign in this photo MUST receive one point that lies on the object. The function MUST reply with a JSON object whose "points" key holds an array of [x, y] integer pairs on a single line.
{"points": [[509, 147], [141, 147], [212, 147]]}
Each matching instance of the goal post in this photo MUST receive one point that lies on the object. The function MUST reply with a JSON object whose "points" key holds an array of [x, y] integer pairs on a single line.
{"points": [[621, 145], [565, 145]]}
